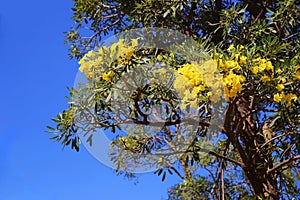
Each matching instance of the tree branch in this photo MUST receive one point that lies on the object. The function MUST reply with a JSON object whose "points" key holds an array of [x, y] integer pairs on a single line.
{"points": [[285, 162], [227, 158]]}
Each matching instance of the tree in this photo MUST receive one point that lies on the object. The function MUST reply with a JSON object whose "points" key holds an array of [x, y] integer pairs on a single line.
{"points": [[254, 46]]}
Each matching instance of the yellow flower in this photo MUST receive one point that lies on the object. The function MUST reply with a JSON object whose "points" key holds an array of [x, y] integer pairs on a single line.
{"points": [[189, 99], [107, 76], [265, 78], [200, 88], [128, 54], [285, 98], [269, 66], [280, 87], [282, 80], [243, 60], [134, 42], [230, 64], [233, 84], [279, 71], [261, 61], [289, 98], [255, 70], [159, 57], [262, 66], [236, 56], [208, 94], [279, 97], [230, 47], [93, 61], [298, 75], [84, 62]]}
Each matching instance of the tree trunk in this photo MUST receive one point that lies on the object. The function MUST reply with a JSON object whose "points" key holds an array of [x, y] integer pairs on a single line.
{"points": [[243, 133]]}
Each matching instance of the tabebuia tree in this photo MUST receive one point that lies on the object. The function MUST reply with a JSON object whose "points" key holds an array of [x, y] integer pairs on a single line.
{"points": [[204, 90]]}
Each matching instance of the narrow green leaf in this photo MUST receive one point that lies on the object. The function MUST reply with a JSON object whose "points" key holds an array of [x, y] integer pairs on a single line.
{"points": [[163, 177]]}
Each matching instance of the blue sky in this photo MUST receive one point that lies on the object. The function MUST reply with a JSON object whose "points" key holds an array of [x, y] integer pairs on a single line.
{"points": [[35, 71]]}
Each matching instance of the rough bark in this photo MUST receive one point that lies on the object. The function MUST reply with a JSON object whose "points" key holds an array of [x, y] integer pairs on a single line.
{"points": [[243, 133]]}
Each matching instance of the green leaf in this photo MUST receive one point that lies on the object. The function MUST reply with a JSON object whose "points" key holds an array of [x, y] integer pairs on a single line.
{"points": [[159, 172], [163, 177], [273, 122], [108, 97], [166, 13]]}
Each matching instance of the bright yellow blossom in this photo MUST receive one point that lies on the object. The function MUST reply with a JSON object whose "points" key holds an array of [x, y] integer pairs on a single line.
{"points": [[229, 64], [208, 94], [285, 98], [159, 57], [128, 54], [279, 71], [265, 78], [269, 66], [279, 97], [255, 70], [280, 87], [108, 76], [97, 60], [289, 98], [243, 60], [134, 42], [230, 47], [236, 56], [298, 75], [282, 80], [233, 84]]}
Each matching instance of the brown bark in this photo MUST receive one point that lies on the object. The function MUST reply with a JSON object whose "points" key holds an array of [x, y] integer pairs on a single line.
{"points": [[241, 129]]}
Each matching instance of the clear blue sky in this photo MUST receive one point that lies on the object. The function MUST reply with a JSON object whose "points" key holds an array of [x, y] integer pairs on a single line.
{"points": [[35, 71]]}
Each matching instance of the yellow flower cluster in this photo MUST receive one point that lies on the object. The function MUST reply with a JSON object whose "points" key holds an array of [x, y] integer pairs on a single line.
{"points": [[92, 63], [229, 64], [280, 84], [188, 82], [280, 87], [194, 80], [285, 98], [192, 75], [262, 66], [232, 79], [233, 84], [90, 60], [232, 63]]}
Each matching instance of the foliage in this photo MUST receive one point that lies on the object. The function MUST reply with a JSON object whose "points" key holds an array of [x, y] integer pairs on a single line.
{"points": [[253, 47]]}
